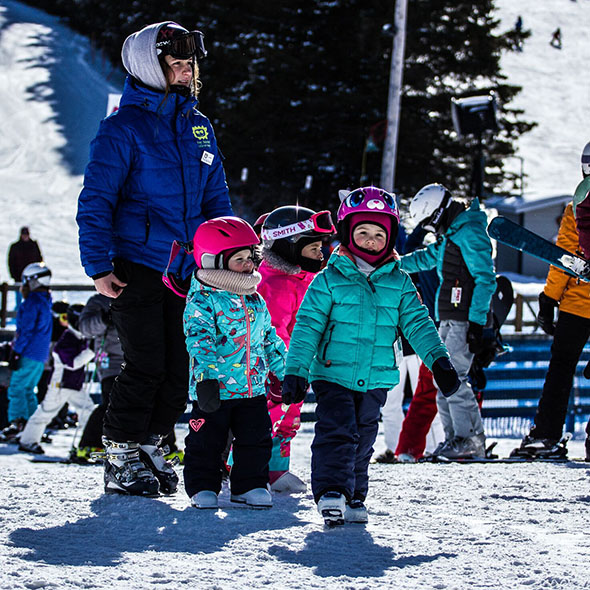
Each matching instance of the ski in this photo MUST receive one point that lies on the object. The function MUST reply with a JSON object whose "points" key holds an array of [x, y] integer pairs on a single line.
{"points": [[516, 236]]}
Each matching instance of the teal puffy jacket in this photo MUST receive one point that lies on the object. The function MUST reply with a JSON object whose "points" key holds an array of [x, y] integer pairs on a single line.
{"points": [[467, 234], [348, 325], [230, 338]]}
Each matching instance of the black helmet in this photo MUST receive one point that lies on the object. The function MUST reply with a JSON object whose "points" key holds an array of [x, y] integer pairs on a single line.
{"points": [[287, 230], [74, 312], [59, 307]]}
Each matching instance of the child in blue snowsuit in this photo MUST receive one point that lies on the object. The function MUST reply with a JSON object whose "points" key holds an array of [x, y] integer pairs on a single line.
{"points": [[30, 347], [346, 342], [232, 345]]}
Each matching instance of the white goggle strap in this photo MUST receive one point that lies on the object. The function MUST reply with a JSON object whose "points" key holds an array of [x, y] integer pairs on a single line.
{"points": [[288, 230]]}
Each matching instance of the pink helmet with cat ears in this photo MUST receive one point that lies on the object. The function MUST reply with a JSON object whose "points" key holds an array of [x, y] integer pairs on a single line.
{"points": [[368, 199]]}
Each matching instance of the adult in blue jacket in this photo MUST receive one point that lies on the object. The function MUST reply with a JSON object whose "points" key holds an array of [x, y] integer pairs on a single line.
{"points": [[462, 256], [154, 175]]}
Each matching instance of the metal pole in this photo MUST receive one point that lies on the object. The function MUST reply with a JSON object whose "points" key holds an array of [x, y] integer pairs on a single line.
{"points": [[395, 94]]}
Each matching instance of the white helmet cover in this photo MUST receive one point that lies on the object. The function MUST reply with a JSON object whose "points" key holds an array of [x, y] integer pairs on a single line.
{"points": [[429, 203]]}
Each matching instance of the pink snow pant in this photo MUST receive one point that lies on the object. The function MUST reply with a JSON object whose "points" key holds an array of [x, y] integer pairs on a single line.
{"points": [[286, 421]]}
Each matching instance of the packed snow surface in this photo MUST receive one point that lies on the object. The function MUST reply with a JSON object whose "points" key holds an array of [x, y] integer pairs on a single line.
{"points": [[455, 527]]}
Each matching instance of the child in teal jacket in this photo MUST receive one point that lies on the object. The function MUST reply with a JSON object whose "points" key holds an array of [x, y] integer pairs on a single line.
{"points": [[346, 343], [232, 346]]}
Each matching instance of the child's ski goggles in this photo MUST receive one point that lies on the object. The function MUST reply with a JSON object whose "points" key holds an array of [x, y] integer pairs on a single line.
{"points": [[320, 223], [184, 46], [168, 279]]}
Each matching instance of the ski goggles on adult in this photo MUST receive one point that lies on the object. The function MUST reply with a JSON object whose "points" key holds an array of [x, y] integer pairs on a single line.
{"points": [[184, 46], [177, 287], [320, 223]]}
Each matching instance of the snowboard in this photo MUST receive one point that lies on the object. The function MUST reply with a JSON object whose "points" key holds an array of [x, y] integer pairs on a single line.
{"points": [[519, 238]]}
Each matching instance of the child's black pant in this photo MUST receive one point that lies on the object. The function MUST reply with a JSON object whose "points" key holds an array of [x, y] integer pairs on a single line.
{"points": [[346, 428], [249, 421]]}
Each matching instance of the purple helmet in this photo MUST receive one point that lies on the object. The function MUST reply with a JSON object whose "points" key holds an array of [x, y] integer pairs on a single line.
{"points": [[368, 205], [370, 199]]}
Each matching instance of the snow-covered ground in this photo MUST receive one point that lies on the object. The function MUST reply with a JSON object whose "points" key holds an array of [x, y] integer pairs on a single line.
{"points": [[445, 527], [555, 92]]}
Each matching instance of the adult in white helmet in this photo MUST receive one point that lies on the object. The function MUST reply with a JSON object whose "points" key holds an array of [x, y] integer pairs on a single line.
{"points": [[462, 256]]}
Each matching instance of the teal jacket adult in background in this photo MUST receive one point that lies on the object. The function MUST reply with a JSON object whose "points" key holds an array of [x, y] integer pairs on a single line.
{"points": [[462, 257], [348, 324], [230, 338]]}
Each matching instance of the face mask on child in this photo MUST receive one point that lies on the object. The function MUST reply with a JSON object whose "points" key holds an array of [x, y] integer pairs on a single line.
{"points": [[311, 257], [372, 236]]}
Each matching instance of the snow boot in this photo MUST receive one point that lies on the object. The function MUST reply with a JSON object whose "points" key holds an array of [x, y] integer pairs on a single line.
{"points": [[125, 472], [406, 458], [463, 447], [152, 455], [256, 498], [205, 499], [356, 512], [542, 448], [289, 483], [34, 448], [11, 433], [332, 506], [386, 457]]}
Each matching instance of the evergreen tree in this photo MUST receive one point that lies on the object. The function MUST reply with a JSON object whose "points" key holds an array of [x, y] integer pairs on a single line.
{"points": [[296, 89]]}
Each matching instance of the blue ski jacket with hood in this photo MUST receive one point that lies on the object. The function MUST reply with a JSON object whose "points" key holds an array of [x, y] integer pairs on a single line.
{"points": [[155, 172]]}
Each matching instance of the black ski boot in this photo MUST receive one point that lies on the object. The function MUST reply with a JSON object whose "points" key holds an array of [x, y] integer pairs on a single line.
{"points": [[587, 445], [11, 433], [546, 449], [124, 471], [152, 454]]}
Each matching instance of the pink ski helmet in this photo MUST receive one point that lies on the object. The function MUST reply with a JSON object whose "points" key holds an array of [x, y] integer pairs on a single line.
{"points": [[218, 239], [368, 205]]}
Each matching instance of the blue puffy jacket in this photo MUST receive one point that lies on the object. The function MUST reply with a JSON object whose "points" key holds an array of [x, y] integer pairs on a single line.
{"points": [[34, 324], [154, 175]]}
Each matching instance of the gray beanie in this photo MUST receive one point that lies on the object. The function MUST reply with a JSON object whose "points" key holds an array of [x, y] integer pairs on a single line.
{"points": [[140, 58]]}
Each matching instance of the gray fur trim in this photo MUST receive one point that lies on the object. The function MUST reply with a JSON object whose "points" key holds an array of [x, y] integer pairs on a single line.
{"points": [[228, 280], [276, 261], [140, 58]]}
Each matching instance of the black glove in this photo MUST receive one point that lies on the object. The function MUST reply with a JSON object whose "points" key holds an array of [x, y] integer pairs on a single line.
{"points": [[475, 337], [294, 389], [445, 376], [546, 315], [208, 395], [14, 360]]}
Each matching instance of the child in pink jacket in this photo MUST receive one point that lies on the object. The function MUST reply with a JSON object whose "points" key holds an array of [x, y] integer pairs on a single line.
{"points": [[291, 257]]}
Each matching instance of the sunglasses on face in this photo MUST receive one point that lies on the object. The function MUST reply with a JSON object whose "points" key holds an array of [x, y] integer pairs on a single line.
{"points": [[185, 46]]}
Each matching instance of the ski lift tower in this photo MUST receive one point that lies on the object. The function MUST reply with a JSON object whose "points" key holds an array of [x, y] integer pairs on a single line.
{"points": [[473, 116]]}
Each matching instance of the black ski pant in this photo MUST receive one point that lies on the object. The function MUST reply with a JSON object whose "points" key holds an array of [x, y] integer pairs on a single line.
{"points": [[346, 428], [92, 435], [250, 424], [571, 334], [151, 391]]}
